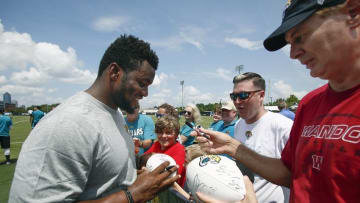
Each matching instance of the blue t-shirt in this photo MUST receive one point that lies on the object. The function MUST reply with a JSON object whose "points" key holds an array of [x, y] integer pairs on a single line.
{"points": [[185, 131], [215, 125], [143, 129], [287, 113], [228, 129], [37, 115], [5, 125]]}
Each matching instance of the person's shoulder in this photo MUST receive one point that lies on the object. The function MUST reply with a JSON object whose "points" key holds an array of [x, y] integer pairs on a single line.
{"points": [[145, 117], [234, 122], [278, 118]]}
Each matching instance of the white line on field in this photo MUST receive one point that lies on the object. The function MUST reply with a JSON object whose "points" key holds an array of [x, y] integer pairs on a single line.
{"points": [[19, 122]]}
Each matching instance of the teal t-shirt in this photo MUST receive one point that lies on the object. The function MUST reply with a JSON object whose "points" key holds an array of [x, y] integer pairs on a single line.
{"points": [[185, 131], [215, 125], [228, 129], [37, 115], [5, 125], [143, 128]]}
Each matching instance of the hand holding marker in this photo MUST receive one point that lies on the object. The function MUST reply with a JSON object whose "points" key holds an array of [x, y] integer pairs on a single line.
{"points": [[196, 129]]}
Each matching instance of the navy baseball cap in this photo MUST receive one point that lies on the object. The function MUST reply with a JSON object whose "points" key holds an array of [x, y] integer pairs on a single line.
{"points": [[296, 12]]}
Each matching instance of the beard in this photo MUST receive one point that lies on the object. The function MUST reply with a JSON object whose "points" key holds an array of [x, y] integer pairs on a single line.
{"points": [[120, 97]]}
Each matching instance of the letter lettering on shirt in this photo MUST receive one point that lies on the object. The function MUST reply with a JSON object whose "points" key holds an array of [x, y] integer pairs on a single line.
{"points": [[352, 135], [326, 131], [337, 132], [317, 161], [306, 131], [315, 131], [140, 131]]}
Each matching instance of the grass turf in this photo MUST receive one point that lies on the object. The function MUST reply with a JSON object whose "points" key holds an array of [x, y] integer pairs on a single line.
{"points": [[20, 130]]}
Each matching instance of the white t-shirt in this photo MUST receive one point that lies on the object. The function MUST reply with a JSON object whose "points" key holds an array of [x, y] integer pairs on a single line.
{"points": [[267, 136], [79, 151]]}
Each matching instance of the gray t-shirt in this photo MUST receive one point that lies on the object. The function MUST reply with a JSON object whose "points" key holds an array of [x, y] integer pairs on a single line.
{"points": [[79, 151]]}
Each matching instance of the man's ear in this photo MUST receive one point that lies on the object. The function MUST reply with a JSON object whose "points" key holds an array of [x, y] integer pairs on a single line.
{"points": [[115, 71], [353, 8]]}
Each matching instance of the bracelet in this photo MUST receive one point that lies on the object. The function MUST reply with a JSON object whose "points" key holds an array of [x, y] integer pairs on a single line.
{"points": [[128, 196]]}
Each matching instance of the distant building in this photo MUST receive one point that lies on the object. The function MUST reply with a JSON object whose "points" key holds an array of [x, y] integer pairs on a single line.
{"points": [[2, 106], [14, 102], [9, 107], [7, 98]]}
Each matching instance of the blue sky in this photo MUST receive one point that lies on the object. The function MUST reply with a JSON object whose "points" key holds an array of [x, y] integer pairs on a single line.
{"points": [[50, 50]]}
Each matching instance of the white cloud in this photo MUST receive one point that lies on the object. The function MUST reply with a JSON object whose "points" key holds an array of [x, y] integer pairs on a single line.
{"points": [[221, 73], [187, 35], [245, 43], [160, 79], [29, 64], [3, 79], [282, 90], [22, 90], [110, 23], [39, 62], [193, 95], [31, 77], [51, 90], [78, 76], [16, 50]]}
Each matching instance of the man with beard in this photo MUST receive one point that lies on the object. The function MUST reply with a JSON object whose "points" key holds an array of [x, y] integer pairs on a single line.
{"points": [[82, 151]]}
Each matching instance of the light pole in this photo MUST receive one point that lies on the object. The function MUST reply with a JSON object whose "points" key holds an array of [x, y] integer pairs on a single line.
{"points": [[182, 94]]}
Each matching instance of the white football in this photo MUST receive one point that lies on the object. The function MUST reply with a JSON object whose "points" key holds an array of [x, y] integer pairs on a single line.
{"points": [[216, 176], [156, 159]]}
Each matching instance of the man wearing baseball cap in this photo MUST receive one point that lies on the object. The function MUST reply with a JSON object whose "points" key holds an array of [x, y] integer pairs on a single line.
{"points": [[321, 161], [229, 118]]}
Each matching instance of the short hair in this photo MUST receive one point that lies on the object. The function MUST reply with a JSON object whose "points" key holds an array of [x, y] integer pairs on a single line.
{"points": [[129, 53], [282, 105], [170, 110], [257, 80], [167, 123], [195, 113], [325, 12]]}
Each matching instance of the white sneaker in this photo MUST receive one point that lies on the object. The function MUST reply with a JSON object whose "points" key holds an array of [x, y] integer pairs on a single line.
{"points": [[8, 162]]}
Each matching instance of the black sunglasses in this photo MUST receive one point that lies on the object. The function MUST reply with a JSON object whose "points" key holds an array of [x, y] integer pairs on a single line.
{"points": [[242, 95], [159, 115], [188, 112]]}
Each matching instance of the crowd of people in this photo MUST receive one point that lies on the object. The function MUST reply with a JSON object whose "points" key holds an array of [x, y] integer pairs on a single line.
{"points": [[86, 150]]}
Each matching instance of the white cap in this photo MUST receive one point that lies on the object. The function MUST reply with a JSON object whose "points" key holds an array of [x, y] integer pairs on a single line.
{"points": [[228, 106]]}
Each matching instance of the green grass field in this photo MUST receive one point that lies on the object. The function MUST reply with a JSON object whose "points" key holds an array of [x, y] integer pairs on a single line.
{"points": [[20, 130]]}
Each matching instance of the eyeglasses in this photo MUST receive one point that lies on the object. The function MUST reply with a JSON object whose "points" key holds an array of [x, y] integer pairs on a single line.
{"points": [[188, 113], [159, 115], [242, 95]]}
